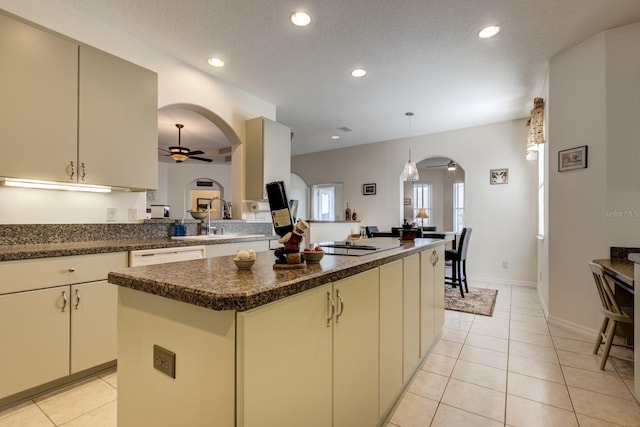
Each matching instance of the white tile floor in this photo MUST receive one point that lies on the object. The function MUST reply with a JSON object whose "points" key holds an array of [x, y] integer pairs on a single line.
{"points": [[512, 369]]}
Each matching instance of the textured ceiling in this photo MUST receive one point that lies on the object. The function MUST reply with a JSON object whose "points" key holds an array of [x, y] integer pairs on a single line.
{"points": [[421, 56]]}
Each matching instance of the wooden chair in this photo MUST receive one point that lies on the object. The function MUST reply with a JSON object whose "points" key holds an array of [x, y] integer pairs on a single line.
{"points": [[458, 258], [613, 313]]}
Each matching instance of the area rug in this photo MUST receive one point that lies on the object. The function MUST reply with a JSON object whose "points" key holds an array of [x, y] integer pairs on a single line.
{"points": [[476, 301]]}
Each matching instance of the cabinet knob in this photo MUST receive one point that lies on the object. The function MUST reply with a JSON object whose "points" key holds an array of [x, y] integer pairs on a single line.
{"points": [[71, 269]]}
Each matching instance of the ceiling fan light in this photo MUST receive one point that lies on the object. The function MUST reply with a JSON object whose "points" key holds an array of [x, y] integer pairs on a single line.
{"points": [[451, 166], [178, 157]]}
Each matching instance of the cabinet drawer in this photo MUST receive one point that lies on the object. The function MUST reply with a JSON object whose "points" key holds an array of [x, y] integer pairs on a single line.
{"points": [[24, 275]]}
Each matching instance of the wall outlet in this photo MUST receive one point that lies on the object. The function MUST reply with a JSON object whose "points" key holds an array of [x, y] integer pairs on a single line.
{"points": [[112, 214], [133, 214], [505, 264], [164, 361]]}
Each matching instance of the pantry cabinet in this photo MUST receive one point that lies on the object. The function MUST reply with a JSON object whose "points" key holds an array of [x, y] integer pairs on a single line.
{"points": [[431, 287], [311, 359], [57, 317], [391, 333], [74, 114]]}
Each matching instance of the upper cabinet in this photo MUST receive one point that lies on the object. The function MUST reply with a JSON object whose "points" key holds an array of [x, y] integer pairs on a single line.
{"points": [[267, 156], [73, 113]]}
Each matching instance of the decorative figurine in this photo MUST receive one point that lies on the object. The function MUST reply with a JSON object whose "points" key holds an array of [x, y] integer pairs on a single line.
{"points": [[290, 253]]}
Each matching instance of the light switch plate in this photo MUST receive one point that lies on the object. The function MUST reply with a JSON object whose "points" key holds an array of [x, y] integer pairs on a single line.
{"points": [[112, 214], [164, 361]]}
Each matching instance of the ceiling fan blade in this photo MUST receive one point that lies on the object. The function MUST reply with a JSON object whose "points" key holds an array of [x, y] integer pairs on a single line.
{"points": [[200, 158], [165, 150], [191, 153]]}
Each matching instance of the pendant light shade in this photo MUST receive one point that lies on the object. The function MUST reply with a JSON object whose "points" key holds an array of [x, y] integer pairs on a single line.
{"points": [[410, 171]]}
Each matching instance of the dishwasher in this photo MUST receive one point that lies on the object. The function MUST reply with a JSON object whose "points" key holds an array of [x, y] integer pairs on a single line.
{"points": [[164, 255]]}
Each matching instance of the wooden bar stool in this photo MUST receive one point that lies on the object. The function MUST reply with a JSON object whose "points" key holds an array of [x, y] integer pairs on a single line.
{"points": [[613, 313], [458, 258]]}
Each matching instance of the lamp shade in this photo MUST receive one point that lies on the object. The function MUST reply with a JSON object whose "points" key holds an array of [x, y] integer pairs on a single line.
{"points": [[410, 172], [422, 213]]}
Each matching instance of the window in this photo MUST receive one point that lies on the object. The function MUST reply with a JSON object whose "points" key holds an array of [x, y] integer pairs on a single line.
{"points": [[422, 200], [326, 202], [540, 190], [458, 207]]}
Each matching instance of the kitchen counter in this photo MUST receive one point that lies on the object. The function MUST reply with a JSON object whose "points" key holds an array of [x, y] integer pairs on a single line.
{"points": [[46, 250], [216, 283]]}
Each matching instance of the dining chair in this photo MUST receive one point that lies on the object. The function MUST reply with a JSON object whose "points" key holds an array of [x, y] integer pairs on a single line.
{"points": [[613, 313], [458, 258]]}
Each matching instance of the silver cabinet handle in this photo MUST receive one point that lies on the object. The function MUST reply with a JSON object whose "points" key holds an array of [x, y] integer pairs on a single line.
{"points": [[77, 299], [64, 300], [331, 308], [83, 170], [72, 170], [341, 305]]}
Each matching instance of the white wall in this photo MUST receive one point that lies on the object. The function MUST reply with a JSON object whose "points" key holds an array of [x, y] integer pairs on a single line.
{"points": [[177, 83], [594, 100], [503, 217]]}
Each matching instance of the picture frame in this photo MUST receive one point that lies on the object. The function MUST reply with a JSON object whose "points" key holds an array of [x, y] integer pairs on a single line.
{"points": [[407, 201], [369, 189], [573, 158], [498, 176]]}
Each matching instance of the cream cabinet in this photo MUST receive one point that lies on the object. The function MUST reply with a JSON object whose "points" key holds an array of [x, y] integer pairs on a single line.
{"points": [[267, 151], [311, 359], [57, 317], [411, 316], [74, 113], [431, 287], [222, 249], [39, 103], [391, 334]]}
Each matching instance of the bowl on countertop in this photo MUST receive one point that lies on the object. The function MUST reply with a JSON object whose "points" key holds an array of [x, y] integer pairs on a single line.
{"points": [[244, 264], [312, 257], [199, 214]]}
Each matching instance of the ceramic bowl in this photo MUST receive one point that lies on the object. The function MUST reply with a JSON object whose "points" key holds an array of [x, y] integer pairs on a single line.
{"points": [[199, 214], [244, 264], [312, 257]]}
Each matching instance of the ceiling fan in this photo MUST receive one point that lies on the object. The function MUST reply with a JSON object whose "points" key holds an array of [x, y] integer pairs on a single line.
{"points": [[451, 166], [180, 153]]}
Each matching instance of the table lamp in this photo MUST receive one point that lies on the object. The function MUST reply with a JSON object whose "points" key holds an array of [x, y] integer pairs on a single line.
{"points": [[422, 214]]}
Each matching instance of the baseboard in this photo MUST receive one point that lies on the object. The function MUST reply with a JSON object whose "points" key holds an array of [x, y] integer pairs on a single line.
{"points": [[490, 280], [574, 327]]}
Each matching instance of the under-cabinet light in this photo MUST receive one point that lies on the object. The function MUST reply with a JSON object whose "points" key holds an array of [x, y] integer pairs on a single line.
{"points": [[46, 185]]}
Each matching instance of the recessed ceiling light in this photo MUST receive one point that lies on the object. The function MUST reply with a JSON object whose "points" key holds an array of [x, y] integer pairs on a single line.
{"points": [[301, 19], [335, 137], [216, 62], [489, 31], [359, 72]]}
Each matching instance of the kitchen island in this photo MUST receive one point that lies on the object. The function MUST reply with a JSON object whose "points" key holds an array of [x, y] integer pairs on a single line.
{"points": [[330, 344]]}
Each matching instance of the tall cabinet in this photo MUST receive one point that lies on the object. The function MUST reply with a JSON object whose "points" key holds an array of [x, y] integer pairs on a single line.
{"points": [[73, 113]]}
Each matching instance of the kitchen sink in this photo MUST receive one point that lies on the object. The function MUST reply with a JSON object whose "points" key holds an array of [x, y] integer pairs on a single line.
{"points": [[226, 236]]}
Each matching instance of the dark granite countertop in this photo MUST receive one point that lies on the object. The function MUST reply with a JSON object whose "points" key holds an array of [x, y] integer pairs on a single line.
{"points": [[620, 269], [217, 284], [46, 250]]}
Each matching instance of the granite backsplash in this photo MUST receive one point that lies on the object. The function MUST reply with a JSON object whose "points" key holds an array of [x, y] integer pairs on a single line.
{"points": [[25, 234]]}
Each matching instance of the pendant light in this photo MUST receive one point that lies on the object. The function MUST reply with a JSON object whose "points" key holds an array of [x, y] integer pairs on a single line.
{"points": [[410, 172]]}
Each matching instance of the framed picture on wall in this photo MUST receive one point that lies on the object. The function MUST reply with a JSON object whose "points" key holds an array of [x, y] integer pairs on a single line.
{"points": [[498, 176], [407, 201], [573, 158], [368, 189]]}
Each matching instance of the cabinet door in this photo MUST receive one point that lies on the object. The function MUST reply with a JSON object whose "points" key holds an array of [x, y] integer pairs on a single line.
{"points": [[411, 303], [34, 332], [391, 336], [438, 291], [94, 312], [284, 375], [118, 121], [38, 106], [427, 302], [355, 355]]}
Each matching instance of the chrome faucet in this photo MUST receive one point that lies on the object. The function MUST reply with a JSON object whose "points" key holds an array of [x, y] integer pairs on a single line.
{"points": [[226, 207]]}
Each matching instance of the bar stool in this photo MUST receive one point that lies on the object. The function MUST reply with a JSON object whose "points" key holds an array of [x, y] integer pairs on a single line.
{"points": [[613, 313], [459, 262]]}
